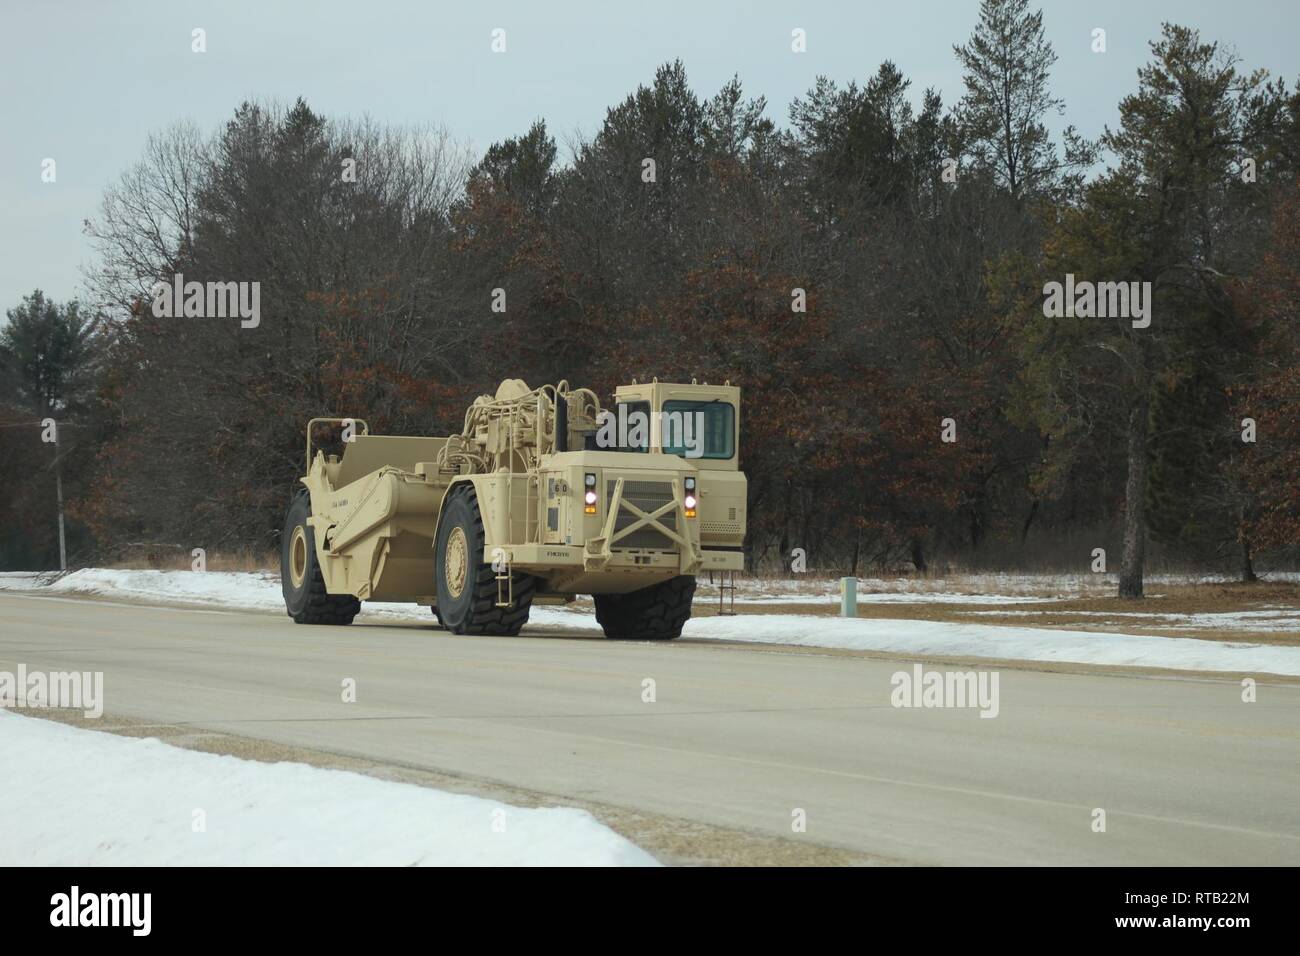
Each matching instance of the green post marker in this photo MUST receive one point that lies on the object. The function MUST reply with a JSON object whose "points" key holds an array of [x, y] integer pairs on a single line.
{"points": [[848, 597]]}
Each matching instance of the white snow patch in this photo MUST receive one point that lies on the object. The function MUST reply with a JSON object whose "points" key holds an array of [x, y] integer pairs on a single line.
{"points": [[914, 597], [1264, 620], [230, 590], [945, 639], [946, 598], [1042, 586], [233, 590], [90, 798]]}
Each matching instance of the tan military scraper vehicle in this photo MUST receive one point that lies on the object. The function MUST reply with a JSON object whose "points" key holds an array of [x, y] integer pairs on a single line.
{"points": [[543, 496]]}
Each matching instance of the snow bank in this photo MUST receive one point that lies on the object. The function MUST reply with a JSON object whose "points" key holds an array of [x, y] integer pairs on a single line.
{"points": [[902, 597], [946, 639], [970, 587], [229, 590], [90, 798], [1285, 620], [234, 589]]}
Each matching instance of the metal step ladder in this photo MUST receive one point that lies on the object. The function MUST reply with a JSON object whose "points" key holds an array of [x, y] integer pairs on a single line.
{"points": [[726, 582], [505, 579]]}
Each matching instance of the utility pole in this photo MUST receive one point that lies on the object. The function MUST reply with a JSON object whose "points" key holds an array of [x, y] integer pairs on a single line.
{"points": [[59, 492]]}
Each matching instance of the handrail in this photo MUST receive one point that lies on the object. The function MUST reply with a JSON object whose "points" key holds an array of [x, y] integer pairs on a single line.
{"points": [[317, 421]]}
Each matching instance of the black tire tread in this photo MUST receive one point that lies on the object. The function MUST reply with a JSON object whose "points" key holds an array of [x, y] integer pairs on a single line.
{"points": [[322, 607], [656, 613], [485, 618]]}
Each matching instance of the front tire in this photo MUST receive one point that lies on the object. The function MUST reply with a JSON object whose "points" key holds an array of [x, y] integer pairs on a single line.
{"points": [[656, 613], [301, 580], [467, 587]]}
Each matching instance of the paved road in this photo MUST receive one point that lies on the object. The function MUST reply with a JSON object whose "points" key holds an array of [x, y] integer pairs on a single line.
{"points": [[738, 736]]}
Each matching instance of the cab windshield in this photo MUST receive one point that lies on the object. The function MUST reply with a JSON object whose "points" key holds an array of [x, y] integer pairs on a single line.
{"points": [[703, 429]]}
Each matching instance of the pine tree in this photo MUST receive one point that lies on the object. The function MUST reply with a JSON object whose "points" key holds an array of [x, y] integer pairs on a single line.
{"points": [[1007, 63], [48, 356]]}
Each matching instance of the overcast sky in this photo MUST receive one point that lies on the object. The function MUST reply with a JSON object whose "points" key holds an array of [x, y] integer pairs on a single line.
{"points": [[85, 81]]}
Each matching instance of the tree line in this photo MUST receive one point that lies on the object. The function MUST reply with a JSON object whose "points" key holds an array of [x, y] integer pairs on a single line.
{"points": [[872, 274]]}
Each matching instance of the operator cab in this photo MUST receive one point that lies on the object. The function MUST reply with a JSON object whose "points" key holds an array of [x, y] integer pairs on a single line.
{"points": [[700, 423]]}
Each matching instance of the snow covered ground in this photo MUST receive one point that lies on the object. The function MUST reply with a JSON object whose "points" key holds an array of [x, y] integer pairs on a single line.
{"points": [[237, 590], [965, 588], [831, 596], [261, 591], [91, 798], [1285, 620], [948, 639]]}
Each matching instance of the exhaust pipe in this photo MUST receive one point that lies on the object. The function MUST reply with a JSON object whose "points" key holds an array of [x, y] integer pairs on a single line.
{"points": [[561, 423]]}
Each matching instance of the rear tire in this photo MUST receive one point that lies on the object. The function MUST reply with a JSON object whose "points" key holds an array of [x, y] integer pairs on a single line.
{"points": [[467, 587], [301, 580], [656, 613]]}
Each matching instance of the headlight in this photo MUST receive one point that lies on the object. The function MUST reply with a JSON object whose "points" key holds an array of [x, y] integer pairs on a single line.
{"points": [[690, 501], [589, 498]]}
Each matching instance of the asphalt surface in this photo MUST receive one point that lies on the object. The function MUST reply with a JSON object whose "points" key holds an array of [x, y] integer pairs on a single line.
{"points": [[743, 737]]}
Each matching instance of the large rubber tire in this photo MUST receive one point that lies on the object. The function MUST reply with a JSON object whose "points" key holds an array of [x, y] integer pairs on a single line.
{"points": [[656, 613], [467, 587], [305, 597]]}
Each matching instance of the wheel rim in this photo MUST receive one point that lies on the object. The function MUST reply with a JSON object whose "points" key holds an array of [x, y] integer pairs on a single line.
{"points": [[456, 562], [298, 556]]}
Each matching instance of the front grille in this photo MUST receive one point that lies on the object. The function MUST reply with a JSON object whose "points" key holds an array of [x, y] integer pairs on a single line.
{"points": [[649, 496]]}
